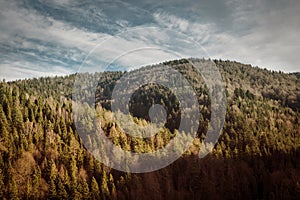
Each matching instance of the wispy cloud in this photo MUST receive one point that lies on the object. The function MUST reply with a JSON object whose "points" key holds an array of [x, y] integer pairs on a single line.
{"points": [[200, 32], [48, 37], [41, 42], [21, 70], [270, 34], [267, 34]]}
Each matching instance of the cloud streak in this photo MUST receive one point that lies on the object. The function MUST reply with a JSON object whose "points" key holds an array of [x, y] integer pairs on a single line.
{"points": [[54, 37]]}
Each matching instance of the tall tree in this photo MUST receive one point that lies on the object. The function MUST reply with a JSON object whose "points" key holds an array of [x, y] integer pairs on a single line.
{"points": [[61, 191], [95, 193], [104, 186], [13, 190], [2, 185], [4, 128], [17, 117]]}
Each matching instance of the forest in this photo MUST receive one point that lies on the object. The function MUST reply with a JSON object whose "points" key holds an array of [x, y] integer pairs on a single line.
{"points": [[257, 155]]}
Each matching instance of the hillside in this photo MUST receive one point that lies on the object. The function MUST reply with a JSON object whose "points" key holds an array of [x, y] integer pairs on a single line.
{"points": [[256, 157]]}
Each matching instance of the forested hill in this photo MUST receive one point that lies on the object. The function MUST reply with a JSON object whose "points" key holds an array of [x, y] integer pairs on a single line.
{"points": [[256, 157], [272, 85]]}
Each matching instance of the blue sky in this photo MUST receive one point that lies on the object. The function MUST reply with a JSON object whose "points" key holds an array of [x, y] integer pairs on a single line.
{"points": [[54, 37]]}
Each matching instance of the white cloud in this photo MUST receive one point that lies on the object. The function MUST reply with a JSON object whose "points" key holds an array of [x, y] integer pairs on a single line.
{"points": [[39, 41], [134, 48], [21, 70], [31, 24], [271, 35], [270, 39], [201, 32], [267, 36]]}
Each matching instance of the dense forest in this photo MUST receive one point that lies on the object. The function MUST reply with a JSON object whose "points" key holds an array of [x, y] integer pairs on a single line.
{"points": [[256, 157]]}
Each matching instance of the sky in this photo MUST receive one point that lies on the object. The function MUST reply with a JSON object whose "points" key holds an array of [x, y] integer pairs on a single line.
{"points": [[60, 37]]}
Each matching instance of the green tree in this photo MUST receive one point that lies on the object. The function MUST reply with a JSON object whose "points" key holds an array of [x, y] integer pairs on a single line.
{"points": [[113, 187], [51, 176], [61, 191], [28, 192], [85, 189], [4, 128], [104, 186], [95, 193], [17, 116], [6, 107], [12, 190], [36, 181], [73, 171], [2, 185], [52, 189]]}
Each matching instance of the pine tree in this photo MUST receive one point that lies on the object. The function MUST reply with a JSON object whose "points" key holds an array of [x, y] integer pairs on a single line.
{"points": [[28, 193], [61, 191], [52, 170], [12, 190], [52, 189], [91, 166], [17, 117], [104, 186], [2, 186], [73, 179], [4, 128], [67, 180], [64, 130], [73, 171], [95, 194], [74, 193], [36, 179], [113, 187], [6, 108], [85, 189]]}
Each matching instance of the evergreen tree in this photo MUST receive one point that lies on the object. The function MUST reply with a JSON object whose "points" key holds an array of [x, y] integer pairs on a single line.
{"points": [[61, 191], [6, 108], [113, 187], [36, 181], [17, 117], [95, 193], [85, 189], [52, 175], [104, 186], [2, 186], [52, 189], [4, 128], [12, 190], [28, 192]]}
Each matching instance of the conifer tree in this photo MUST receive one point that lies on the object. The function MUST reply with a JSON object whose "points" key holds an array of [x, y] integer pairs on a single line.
{"points": [[4, 127], [61, 191], [95, 193], [12, 190], [104, 186], [36, 181], [52, 189], [17, 117], [2, 186], [113, 187], [85, 189], [28, 192], [6, 108]]}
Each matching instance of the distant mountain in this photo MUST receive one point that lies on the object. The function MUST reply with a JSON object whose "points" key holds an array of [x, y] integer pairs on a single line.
{"points": [[256, 157]]}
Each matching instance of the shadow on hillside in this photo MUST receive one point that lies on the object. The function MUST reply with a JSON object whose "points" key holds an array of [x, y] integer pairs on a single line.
{"points": [[245, 177]]}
